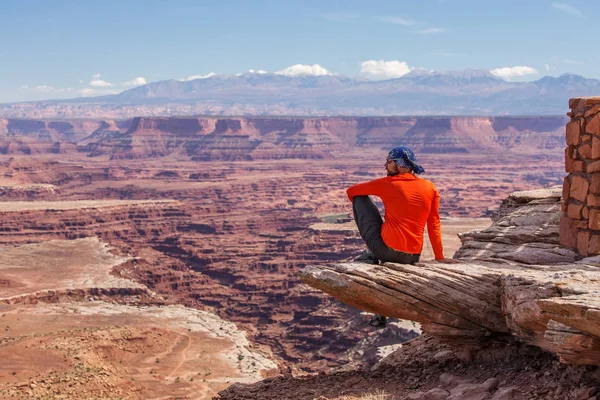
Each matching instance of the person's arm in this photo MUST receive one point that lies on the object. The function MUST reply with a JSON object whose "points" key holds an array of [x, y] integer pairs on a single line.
{"points": [[365, 189], [434, 228]]}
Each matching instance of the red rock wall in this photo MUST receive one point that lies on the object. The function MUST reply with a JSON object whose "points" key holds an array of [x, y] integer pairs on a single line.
{"points": [[257, 138], [580, 224]]}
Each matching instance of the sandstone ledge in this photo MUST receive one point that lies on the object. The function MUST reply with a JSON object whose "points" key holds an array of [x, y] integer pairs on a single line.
{"points": [[555, 307]]}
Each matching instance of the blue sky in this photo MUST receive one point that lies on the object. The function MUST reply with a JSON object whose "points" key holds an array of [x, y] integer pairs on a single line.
{"points": [[70, 48]]}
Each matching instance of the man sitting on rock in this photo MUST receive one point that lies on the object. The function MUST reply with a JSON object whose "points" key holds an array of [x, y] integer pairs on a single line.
{"points": [[410, 202]]}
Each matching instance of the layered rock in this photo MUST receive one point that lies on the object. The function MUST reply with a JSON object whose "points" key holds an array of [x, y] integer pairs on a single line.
{"points": [[29, 192], [207, 139], [256, 138], [71, 130], [525, 231], [551, 304], [30, 222], [252, 138]]}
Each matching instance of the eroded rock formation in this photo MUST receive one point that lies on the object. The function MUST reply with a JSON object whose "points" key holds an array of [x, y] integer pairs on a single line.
{"points": [[490, 294], [257, 138], [253, 138]]}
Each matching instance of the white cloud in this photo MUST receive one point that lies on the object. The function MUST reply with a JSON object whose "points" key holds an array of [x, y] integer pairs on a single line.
{"points": [[301, 69], [194, 77], [547, 67], [428, 31], [45, 89], [97, 82], [139, 81], [384, 69], [260, 71], [396, 20], [85, 92], [512, 72], [567, 9]]}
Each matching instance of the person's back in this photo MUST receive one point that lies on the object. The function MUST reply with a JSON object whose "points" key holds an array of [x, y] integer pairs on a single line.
{"points": [[410, 204]]}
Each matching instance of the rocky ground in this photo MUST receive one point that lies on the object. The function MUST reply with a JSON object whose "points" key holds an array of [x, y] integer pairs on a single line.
{"points": [[424, 369]]}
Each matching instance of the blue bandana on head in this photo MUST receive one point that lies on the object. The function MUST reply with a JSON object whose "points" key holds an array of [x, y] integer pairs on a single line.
{"points": [[405, 158]]}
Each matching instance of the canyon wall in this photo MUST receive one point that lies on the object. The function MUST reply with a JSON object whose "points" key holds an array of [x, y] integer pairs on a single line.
{"points": [[255, 138], [580, 224], [71, 130]]}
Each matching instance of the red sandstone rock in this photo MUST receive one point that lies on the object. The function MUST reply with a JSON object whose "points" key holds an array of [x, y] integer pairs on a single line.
{"points": [[583, 238], [593, 125], [595, 147], [594, 219], [593, 201], [566, 189], [585, 150], [592, 167], [572, 165], [574, 210], [574, 132], [576, 104], [594, 244], [567, 232], [595, 185], [272, 138], [569, 152], [579, 188]]}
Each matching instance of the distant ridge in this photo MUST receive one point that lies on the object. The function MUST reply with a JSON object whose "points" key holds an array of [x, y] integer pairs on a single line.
{"points": [[468, 92]]}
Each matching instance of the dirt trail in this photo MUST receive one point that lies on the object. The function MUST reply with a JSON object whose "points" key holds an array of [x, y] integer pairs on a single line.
{"points": [[183, 355]]}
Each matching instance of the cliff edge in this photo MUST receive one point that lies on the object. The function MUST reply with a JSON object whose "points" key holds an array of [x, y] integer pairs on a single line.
{"points": [[517, 318], [513, 281]]}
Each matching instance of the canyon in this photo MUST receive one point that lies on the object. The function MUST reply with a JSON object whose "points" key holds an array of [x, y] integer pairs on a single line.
{"points": [[211, 219]]}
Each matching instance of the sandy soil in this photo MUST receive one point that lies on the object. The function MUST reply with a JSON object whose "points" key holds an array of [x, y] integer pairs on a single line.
{"points": [[59, 264], [102, 350], [96, 349]]}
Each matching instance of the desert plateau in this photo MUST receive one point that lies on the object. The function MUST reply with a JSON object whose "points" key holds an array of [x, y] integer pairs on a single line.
{"points": [[159, 257]]}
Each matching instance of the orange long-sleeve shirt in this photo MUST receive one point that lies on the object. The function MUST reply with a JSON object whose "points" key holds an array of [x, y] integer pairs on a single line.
{"points": [[410, 202]]}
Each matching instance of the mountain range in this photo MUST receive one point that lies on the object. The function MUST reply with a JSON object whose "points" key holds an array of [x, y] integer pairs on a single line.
{"points": [[468, 92]]}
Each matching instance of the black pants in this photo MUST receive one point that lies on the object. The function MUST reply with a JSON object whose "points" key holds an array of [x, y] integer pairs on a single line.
{"points": [[369, 222]]}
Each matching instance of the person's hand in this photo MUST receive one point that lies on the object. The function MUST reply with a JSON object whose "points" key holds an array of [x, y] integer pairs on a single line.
{"points": [[448, 261]]}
